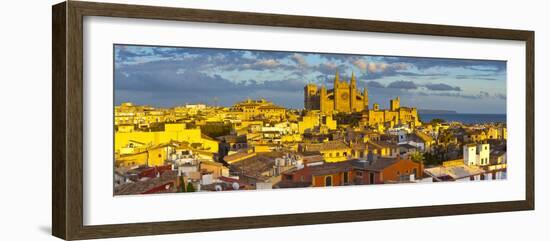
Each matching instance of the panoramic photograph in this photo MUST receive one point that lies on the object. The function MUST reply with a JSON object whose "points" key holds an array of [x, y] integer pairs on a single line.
{"points": [[189, 119]]}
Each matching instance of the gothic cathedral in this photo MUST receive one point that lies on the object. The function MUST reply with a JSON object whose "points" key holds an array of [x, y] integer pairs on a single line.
{"points": [[343, 97]]}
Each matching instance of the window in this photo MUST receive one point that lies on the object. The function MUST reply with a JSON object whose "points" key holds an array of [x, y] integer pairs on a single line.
{"points": [[328, 181], [359, 174], [398, 173], [346, 177], [337, 154]]}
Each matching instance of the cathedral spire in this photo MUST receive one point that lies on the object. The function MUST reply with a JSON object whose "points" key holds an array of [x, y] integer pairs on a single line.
{"points": [[352, 81]]}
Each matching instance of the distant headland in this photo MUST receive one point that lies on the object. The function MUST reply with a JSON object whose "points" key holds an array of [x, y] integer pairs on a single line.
{"points": [[436, 112]]}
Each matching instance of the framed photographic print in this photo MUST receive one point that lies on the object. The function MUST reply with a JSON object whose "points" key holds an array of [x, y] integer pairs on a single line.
{"points": [[170, 120]]}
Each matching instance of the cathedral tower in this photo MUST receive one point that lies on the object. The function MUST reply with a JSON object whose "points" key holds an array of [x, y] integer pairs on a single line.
{"points": [[394, 104], [336, 88], [343, 97], [353, 93], [311, 97]]}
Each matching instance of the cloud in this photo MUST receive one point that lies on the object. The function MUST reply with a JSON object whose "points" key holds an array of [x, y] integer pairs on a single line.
{"points": [[442, 87], [374, 84], [330, 68], [500, 96], [259, 54], [477, 76], [267, 63], [402, 84], [428, 63], [300, 60], [377, 67], [377, 70], [165, 87], [483, 94], [170, 75], [361, 64]]}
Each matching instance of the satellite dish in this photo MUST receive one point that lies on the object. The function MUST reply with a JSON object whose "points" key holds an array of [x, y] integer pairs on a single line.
{"points": [[218, 188], [235, 186]]}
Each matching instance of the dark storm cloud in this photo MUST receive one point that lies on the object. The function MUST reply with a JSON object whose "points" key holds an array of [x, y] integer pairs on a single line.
{"points": [[196, 86]]}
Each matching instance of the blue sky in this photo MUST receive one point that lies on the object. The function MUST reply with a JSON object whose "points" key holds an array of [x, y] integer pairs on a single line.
{"points": [[170, 76]]}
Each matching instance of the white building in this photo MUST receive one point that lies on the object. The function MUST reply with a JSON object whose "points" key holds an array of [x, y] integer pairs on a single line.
{"points": [[476, 155], [196, 106], [401, 133]]}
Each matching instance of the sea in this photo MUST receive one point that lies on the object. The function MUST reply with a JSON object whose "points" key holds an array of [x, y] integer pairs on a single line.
{"points": [[465, 118]]}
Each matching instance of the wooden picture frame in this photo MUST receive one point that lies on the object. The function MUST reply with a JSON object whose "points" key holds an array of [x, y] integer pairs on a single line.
{"points": [[67, 124]]}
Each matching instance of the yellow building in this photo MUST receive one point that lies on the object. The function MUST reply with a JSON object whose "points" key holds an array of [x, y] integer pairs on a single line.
{"points": [[343, 97], [259, 109], [503, 133], [245, 127], [172, 132], [332, 151], [496, 133], [142, 116], [314, 120], [475, 136], [395, 115], [154, 156], [215, 168], [125, 128]]}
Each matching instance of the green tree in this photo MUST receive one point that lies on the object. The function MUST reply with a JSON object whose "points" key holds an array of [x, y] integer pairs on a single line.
{"points": [[437, 121], [214, 130], [417, 157], [190, 187]]}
